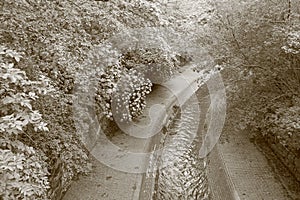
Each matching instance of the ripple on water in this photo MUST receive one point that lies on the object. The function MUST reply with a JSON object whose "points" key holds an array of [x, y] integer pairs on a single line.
{"points": [[184, 174]]}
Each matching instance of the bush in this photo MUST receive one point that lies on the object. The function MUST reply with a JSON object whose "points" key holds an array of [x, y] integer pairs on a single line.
{"points": [[257, 44], [23, 169], [155, 64], [126, 87], [285, 125], [58, 39], [63, 142], [35, 142]]}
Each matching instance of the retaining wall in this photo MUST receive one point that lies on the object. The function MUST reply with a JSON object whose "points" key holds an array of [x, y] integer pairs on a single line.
{"points": [[290, 158]]}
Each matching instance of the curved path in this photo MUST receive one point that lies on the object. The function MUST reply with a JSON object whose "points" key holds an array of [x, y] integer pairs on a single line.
{"points": [[106, 182]]}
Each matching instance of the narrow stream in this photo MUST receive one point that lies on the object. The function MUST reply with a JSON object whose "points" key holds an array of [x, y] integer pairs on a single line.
{"points": [[183, 175]]}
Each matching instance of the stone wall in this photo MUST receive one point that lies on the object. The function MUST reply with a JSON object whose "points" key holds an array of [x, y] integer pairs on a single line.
{"points": [[290, 158], [56, 183]]}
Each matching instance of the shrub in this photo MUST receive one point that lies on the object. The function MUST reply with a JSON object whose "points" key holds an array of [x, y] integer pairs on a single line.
{"points": [[23, 169], [131, 78], [63, 142], [58, 38], [29, 138], [257, 44], [127, 87], [284, 124], [155, 64], [131, 94]]}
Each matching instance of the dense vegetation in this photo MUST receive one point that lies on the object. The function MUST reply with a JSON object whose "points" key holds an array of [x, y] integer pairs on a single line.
{"points": [[258, 44], [44, 44], [49, 48]]}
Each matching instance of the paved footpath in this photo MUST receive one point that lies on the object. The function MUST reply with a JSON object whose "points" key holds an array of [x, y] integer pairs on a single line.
{"points": [[238, 166], [238, 169]]}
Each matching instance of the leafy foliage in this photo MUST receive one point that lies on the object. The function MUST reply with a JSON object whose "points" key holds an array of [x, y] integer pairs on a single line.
{"points": [[131, 78], [257, 42], [155, 64], [58, 39], [63, 141], [285, 124], [23, 170], [58, 35], [17, 92], [22, 129], [61, 41], [127, 87]]}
